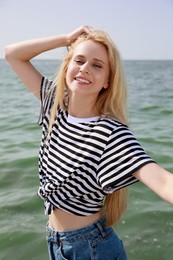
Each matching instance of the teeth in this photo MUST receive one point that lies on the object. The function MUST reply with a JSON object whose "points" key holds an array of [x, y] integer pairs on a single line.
{"points": [[82, 80]]}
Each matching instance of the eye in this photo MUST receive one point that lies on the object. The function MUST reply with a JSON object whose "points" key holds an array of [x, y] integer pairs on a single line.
{"points": [[97, 66], [80, 62]]}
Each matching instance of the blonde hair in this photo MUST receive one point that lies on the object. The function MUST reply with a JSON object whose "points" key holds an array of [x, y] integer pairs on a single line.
{"points": [[110, 102]]}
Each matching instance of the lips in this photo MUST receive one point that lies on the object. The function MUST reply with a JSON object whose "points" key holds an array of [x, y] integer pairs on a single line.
{"points": [[82, 80]]}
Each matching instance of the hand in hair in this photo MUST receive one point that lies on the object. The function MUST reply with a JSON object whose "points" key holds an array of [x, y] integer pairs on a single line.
{"points": [[71, 37]]}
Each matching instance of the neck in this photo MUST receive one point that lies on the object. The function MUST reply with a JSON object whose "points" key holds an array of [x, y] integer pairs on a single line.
{"points": [[82, 107]]}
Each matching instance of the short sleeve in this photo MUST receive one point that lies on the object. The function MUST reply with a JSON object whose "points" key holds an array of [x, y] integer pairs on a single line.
{"points": [[122, 156], [47, 91]]}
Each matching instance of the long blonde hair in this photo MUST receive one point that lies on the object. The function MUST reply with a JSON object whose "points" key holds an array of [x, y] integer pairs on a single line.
{"points": [[110, 102]]}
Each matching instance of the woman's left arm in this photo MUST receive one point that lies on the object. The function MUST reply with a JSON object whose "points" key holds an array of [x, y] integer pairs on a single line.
{"points": [[157, 179]]}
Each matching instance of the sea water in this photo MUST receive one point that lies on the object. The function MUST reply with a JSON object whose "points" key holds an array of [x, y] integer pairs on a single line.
{"points": [[147, 226]]}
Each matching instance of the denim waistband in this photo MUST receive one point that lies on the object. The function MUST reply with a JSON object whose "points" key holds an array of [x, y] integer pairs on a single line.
{"points": [[77, 235]]}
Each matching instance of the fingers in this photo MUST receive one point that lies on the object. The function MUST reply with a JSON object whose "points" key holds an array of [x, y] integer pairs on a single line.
{"points": [[88, 28], [79, 31]]}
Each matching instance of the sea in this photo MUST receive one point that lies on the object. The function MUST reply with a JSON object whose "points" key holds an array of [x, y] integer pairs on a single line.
{"points": [[146, 228]]}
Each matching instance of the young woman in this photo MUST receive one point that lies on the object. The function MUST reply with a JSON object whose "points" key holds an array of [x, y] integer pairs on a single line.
{"points": [[88, 155]]}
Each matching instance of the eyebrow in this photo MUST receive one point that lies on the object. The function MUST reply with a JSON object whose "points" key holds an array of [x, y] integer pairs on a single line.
{"points": [[95, 59]]}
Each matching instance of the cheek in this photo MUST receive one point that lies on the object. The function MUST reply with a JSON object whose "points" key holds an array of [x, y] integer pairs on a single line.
{"points": [[102, 81], [70, 74]]}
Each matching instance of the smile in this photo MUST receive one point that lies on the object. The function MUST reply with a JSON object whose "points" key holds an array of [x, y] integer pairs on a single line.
{"points": [[82, 80]]}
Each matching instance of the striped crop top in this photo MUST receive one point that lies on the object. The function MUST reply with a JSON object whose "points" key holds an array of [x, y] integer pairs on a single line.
{"points": [[85, 159]]}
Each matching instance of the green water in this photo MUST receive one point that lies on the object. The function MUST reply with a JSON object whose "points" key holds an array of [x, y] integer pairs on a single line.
{"points": [[147, 226]]}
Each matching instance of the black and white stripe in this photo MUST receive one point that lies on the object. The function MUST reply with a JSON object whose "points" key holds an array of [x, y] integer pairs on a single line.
{"points": [[84, 161]]}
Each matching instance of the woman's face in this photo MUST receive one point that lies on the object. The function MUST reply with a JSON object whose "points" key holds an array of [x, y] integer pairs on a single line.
{"points": [[88, 70]]}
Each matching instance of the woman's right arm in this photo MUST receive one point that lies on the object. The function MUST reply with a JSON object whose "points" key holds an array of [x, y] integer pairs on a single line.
{"points": [[20, 54]]}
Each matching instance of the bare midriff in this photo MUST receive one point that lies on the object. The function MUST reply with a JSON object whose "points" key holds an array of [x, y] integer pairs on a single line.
{"points": [[60, 220]]}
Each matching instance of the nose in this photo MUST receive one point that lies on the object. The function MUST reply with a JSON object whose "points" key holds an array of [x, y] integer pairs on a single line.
{"points": [[84, 68]]}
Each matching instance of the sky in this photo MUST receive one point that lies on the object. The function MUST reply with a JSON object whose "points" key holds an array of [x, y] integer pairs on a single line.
{"points": [[142, 29]]}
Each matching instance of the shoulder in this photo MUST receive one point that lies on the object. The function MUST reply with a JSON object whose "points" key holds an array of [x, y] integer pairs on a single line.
{"points": [[113, 124], [47, 91], [47, 95], [47, 86], [118, 132]]}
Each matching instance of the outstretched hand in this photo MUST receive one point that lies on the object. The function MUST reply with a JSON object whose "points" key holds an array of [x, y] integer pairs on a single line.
{"points": [[71, 37]]}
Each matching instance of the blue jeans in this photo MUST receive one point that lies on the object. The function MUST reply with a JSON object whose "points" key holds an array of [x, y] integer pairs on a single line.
{"points": [[93, 242]]}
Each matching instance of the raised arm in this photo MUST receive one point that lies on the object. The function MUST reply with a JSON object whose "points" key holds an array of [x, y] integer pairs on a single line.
{"points": [[20, 54], [157, 179]]}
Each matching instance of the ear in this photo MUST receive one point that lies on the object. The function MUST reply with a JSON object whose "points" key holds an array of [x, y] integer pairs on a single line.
{"points": [[106, 85]]}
